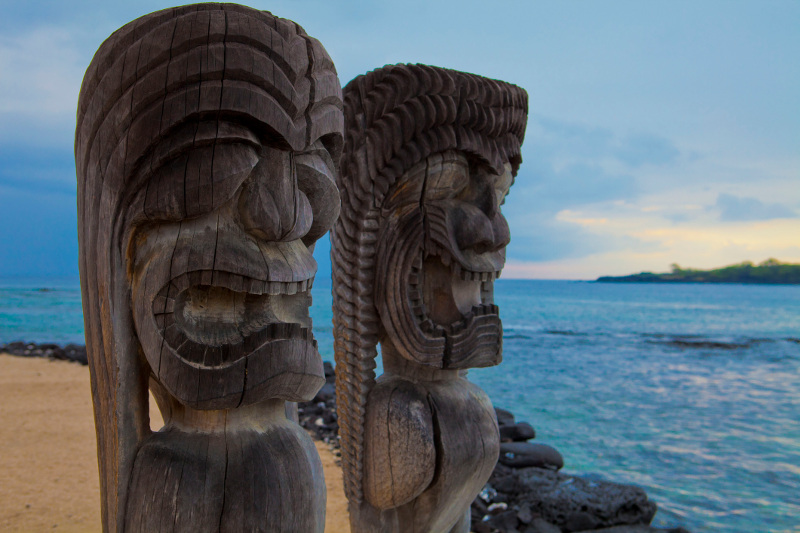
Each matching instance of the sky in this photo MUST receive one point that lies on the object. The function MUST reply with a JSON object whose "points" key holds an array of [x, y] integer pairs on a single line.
{"points": [[658, 132]]}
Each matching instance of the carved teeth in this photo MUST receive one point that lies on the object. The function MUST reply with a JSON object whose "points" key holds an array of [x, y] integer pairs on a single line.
{"points": [[233, 282], [468, 275], [255, 287]]}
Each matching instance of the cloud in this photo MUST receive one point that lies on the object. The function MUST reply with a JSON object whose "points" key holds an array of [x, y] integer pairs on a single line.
{"points": [[567, 235], [646, 149], [571, 140], [42, 72], [737, 209], [568, 166], [40, 76]]}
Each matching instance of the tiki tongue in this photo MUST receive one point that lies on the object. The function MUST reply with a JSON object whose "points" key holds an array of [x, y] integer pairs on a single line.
{"points": [[467, 294], [447, 298], [211, 315], [217, 316]]}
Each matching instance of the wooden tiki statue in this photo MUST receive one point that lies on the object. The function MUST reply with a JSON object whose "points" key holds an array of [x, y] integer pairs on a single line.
{"points": [[429, 156], [207, 143]]}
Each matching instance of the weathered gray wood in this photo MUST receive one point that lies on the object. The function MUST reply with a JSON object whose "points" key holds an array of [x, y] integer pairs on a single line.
{"points": [[206, 148], [429, 156]]}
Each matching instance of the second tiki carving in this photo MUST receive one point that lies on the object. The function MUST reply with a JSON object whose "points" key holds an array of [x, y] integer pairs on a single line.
{"points": [[429, 156]]}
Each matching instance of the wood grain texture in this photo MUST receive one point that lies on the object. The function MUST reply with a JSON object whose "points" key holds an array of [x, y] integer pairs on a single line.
{"points": [[207, 142], [430, 154]]}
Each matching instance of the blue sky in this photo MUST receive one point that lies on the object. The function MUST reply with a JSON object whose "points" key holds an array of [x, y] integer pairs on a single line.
{"points": [[659, 132]]}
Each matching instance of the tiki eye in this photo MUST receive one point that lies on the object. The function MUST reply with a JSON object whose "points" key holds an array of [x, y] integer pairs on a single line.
{"points": [[447, 176], [198, 181], [316, 178], [502, 184]]}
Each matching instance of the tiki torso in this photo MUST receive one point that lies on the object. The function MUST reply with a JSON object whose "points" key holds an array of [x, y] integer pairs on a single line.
{"points": [[449, 431], [227, 471]]}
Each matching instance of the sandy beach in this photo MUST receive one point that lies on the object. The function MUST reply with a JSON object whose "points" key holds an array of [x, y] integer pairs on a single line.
{"points": [[48, 459]]}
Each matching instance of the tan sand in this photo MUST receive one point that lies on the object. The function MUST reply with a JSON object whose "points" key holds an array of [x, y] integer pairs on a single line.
{"points": [[48, 456]]}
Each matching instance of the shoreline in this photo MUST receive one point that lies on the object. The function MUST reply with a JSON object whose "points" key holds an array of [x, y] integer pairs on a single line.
{"points": [[49, 462], [526, 492]]}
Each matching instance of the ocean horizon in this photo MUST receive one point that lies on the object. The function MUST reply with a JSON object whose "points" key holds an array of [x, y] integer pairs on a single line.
{"points": [[687, 390]]}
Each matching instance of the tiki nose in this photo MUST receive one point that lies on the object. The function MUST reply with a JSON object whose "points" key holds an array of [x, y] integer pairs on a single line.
{"points": [[480, 224], [477, 231], [271, 205]]}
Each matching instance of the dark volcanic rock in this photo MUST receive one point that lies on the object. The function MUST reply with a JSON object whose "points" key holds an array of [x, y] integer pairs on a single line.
{"points": [[77, 353], [580, 521], [539, 525], [330, 373], [70, 352], [504, 521], [326, 393], [504, 418], [573, 503], [525, 454], [637, 529], [517, 432], [319, 415]]}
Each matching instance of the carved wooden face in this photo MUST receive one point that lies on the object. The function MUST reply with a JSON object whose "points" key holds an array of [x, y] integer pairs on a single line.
{"points": [[441, 248], [222, 270]]}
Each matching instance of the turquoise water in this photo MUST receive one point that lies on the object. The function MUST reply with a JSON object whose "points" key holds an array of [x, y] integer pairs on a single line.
{"points": [[690, 391]]}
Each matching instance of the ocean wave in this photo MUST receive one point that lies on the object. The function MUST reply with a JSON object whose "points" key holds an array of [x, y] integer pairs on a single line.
{"points": [[567, 332], [705, 343]]}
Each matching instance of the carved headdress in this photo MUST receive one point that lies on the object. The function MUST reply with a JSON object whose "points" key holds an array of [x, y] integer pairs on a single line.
{"points": [[193, 76], [395, 118]]}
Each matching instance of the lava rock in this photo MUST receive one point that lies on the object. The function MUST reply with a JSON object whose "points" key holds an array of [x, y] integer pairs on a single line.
{"points": [[14, 348], [636, 529], [77, 353], [580, 521], [326, 393], [525, 515], [505, 521], [330, 374], [525, 454], [482, 527], [506, 484], [517, 432], [71, 352], [504, 418], [567, 500], [539, 525]]}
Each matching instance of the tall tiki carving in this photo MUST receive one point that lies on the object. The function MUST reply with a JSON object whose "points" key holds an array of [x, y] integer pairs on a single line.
{"points": [[207, 143], [429, 156]]}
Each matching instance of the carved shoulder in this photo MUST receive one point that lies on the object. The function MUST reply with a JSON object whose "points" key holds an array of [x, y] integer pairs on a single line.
{"points": [[400, 453]]}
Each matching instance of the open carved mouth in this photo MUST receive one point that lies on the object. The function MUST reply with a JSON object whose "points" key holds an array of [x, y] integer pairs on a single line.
{"points": [[447, 296], [216, 318]]}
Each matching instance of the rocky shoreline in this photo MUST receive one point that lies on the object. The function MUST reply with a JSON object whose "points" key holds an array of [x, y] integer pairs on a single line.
{"points": [[70, 352], [526, 492]]}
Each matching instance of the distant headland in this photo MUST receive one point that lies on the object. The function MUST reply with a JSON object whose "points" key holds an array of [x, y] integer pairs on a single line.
{"points": [[770, 271]]}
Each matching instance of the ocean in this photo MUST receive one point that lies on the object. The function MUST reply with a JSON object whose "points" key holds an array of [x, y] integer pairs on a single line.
{"points": [[690, 391]]}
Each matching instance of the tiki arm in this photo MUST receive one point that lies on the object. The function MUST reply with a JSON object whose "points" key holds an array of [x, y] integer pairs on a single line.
{"points": [[399, 448]]}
